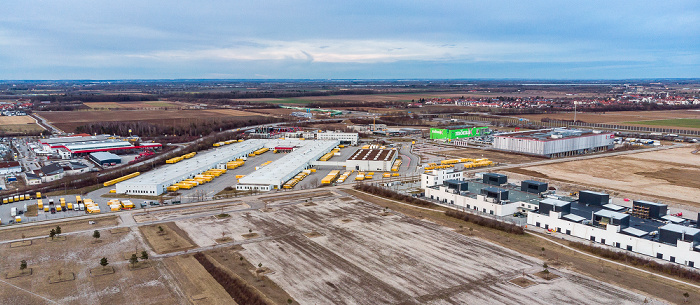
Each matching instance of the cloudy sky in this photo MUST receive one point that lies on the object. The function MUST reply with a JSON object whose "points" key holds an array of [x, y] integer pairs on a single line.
{"points": [[147, 39]]}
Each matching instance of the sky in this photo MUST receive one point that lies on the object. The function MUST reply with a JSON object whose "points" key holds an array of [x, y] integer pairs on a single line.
{"points": [[271, 39]]}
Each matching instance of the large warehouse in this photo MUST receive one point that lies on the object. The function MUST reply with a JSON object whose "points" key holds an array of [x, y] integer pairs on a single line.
{"points": [[372, 160], [456, 132], [553, 143], [155, 182], [288, 166], [66, 147]]}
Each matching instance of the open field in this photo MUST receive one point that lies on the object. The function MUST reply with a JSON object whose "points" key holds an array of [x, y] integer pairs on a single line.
{"points": [[19, 124], [142, 104], [341, 251], [8, 120], [686, 123], [196, 282], [170, 239], [639, 118], [665, 174], [407, 97], [21, 128], [69, 120], [555, 256], [75, 257]]}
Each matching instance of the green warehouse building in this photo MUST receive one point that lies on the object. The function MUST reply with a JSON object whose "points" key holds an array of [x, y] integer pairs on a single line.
{"points": [[456, 132]]}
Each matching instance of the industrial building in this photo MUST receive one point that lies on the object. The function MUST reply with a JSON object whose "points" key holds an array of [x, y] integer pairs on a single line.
{"points": [[105, 158], [155, 182], [288, 166], [438, 176], [10, 167], [478, 195], [457, 132], [608, 224], [554, 143], [66, 147], [350, 138], [372, 159]]}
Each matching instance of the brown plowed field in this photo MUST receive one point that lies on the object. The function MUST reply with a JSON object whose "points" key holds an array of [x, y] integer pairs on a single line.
{"points": [[69, 120], [618, 116]]}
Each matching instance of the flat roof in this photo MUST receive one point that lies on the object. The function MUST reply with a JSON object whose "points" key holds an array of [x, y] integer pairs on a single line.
{"points": [[551, 134], [555, 202], [534, 182], [514, 194], [291, 164], [614, 207], [634, 232], [593, 192], [646, 225], [97, 145], [611, 214], [573, 217], [372, 154], [494, 190], [494, 175], [650, 203], [672, 219], [74, 139], [201, 162], [680, 229]]}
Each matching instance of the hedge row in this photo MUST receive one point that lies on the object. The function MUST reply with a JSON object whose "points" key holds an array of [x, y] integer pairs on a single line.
{"points": [[382, 192], [241, 292], [634, 260], [486, 222]]}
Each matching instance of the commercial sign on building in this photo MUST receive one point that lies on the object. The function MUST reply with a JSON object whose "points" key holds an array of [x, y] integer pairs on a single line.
{"points": [[451, 134]]}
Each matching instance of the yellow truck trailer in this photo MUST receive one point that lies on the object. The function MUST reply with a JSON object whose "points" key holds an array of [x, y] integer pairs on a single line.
{"points": [[38, 195], [120, 179], [40, 203], [46, 209], [69, 206]]}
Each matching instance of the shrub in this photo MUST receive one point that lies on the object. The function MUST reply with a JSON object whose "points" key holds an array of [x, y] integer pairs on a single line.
{"points": [[382, 192], [486, 222], [241, 292], [634, 260]]}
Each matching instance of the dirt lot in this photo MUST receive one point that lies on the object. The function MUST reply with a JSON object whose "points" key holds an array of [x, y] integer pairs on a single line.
{"points": [[76, 256], [19, 124], [618, 116], [556, 257], [11, 233], [7, 120], [196, 283], [361, 256], [68, 120], [171, 239], [664, 174], [143, 104]]}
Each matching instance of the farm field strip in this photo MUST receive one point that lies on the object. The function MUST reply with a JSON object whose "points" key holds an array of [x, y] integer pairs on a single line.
{"points": [[349, 252]]}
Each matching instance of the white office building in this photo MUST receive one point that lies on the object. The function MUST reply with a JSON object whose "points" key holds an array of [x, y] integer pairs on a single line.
{"points": [[344, 137], [437, 177]]}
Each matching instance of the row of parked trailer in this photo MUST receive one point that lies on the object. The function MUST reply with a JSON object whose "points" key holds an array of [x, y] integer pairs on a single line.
{"points": [[18, 198], [331, 177], [180, 158], [397, 165], [80, 205], [120, 179], [300, 176], [259, 152], [222, 143], [327, 156], [197, 180]]}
